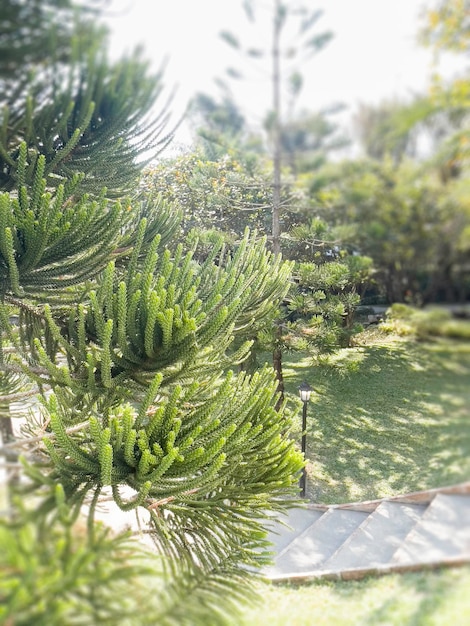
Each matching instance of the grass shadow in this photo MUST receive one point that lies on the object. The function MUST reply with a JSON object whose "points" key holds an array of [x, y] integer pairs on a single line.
{"points": [[387, 419]]}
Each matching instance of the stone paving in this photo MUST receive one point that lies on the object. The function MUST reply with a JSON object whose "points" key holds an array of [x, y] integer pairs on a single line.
{"points": [[418, 530]]}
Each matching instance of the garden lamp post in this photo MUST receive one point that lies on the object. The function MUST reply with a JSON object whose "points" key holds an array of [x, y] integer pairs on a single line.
{"points": [[304, 391]]}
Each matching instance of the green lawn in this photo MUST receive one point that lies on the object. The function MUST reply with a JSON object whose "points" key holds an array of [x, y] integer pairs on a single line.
{"points": [[389, 416], [435, 598]]}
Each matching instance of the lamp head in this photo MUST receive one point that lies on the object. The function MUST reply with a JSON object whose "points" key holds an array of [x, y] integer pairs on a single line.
{"points": [[304, 391]]}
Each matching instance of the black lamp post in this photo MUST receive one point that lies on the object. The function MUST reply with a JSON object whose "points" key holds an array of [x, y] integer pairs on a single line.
{"points": [[304, 391]]}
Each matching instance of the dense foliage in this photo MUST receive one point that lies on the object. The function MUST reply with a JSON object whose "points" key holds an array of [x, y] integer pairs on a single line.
{"points": [[120, 344]]}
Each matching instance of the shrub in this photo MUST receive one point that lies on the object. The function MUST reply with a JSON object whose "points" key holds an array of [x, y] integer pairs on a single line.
{"points": [[404, 320]]}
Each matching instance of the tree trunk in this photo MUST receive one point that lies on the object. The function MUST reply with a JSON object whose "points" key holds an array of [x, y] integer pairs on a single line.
{"points": [[10, 456], [277, 365], [276, 228], [276, 223]]}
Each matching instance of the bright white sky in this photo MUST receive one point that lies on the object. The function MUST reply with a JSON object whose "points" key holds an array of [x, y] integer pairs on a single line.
{"points": [[373, 56]]}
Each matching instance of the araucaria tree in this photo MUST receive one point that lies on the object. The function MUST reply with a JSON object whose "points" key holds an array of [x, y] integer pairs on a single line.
{"points": [[321, 303], [126, 341]]}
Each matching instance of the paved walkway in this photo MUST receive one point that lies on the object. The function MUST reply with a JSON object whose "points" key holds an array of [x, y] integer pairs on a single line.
{"points": [[418, 530]]}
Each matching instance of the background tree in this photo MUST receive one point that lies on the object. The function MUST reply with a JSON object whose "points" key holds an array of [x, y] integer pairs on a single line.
{"points": [[310, 139], [444, 29], [226, 194], [292, 42], [219, 126], [411, 224], [416, 228], [280, 49], [424, 129], [446, 25]]}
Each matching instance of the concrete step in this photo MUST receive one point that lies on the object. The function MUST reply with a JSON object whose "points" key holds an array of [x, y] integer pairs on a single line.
{"points": [[313, 547], [376, 540], [283, 530], [442, 533]]}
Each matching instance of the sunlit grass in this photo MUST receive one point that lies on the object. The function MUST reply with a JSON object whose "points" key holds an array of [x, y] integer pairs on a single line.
{"points": [[432, 598], [385, 418]]}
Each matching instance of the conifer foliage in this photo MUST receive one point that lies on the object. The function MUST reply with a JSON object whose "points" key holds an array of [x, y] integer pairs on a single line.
{"points": [[65, 99], [127, 340]]}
